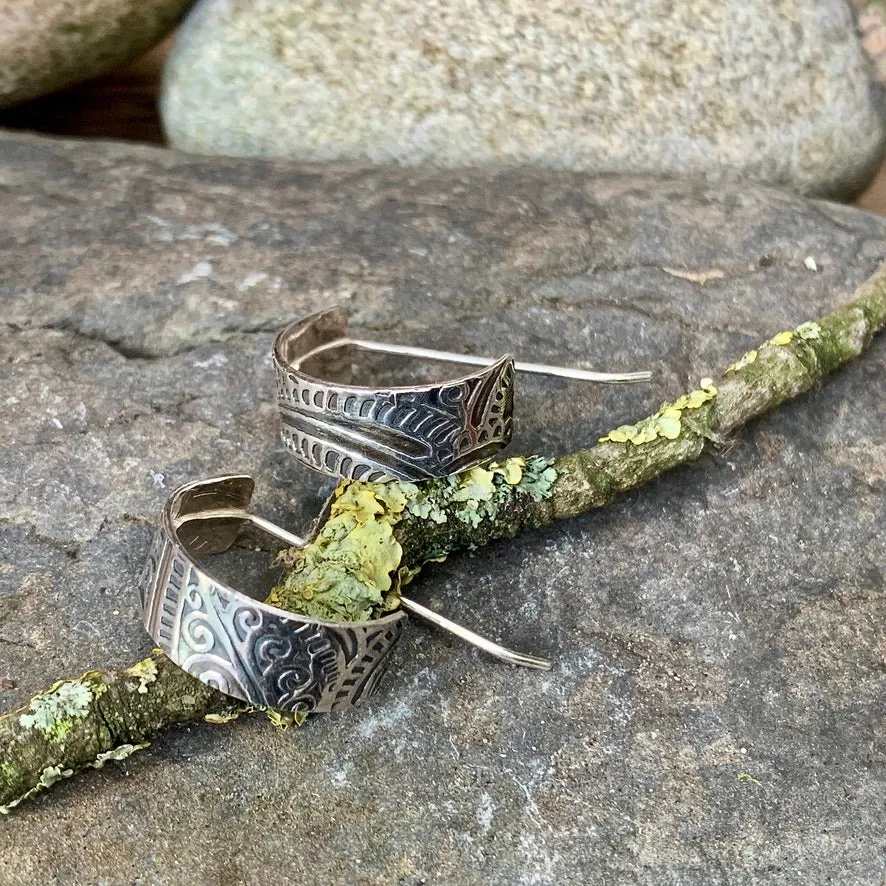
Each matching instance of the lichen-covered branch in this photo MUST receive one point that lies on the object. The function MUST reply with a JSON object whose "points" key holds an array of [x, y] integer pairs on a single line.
{"points": [[103, 716], [409, 525], [378, 536]]}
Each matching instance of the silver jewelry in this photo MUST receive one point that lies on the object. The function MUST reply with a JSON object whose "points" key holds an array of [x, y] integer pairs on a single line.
{"points": [[250, 650], [407, 433]]}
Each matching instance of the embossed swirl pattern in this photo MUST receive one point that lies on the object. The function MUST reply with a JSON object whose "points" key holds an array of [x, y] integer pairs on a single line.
{"points": [[253, 652]]}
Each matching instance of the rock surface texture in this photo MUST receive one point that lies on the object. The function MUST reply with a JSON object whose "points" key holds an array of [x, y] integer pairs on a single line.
{"points": [[780, 92], [715, 711], [48, 44]]}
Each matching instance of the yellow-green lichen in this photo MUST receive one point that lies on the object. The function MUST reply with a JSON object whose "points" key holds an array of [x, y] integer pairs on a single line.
{"points": [[345, 573], [479, 485], [145, 672], [747, 777], [743, 361], [512, 470], [783, 338], [475, 485], [481, 492], [55, 712], [666, 423], [352, 571], [284, 719], [806, 331]]}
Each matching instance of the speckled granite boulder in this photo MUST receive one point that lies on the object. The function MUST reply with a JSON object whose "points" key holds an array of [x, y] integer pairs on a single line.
{"points": [[780, 92], [48, 44], [714, 716]]}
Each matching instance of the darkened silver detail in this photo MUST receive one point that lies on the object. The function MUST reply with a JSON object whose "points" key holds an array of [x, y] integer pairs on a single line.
{"points": [[408, 433], [378, 433]]}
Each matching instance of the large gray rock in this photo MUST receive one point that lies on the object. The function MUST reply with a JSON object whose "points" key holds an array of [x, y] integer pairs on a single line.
{"points": [[776, 91], [48, 44], [715, 712]]}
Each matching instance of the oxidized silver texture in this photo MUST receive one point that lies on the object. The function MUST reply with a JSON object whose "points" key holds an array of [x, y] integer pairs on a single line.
{"points": [[407, 433], [244, 648]]}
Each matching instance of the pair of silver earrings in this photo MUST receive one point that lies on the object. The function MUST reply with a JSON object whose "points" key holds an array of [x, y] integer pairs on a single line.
{"points": [[268, 657]]}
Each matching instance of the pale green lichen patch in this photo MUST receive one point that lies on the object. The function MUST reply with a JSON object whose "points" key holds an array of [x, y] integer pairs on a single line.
{"points": [[426, 509], [809, 331], [352, 571], [479, 493], [56, 712], [121, 752], [666, 423], [538, 478], [145, 672], [48, 777]]}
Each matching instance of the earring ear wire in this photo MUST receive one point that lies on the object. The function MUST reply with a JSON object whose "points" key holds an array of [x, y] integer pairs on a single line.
{"points": [[494, 649], [612, 378], [412, 432], [501, 652], [411, 606]]}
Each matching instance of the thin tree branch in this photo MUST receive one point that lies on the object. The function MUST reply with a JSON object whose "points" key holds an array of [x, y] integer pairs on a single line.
{"points": [[107, 715]]}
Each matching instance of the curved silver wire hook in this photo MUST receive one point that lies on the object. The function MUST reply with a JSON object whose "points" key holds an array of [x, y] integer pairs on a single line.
{"points": [[471, 360], [495, 649]]}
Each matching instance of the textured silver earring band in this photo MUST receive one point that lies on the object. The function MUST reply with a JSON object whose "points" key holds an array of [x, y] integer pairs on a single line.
{"points": [[242, 647], [407, 433], [248, 649]]}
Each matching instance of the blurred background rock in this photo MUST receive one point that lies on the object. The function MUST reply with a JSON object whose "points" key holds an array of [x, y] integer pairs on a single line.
{"points": [[47, 45], [832, 146], [872, 28]]}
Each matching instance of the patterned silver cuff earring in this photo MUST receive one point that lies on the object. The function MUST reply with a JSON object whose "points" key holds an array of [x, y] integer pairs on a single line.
{"points": [[406, 433], [250, 650]]}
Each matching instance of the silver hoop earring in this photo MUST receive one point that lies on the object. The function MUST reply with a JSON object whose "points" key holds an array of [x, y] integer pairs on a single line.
{"points": [[406, 433], [245, 648]]}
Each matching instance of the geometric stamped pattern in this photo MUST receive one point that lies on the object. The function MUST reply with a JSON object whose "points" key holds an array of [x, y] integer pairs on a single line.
{"points": [[402, 433], [253, 651]]}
